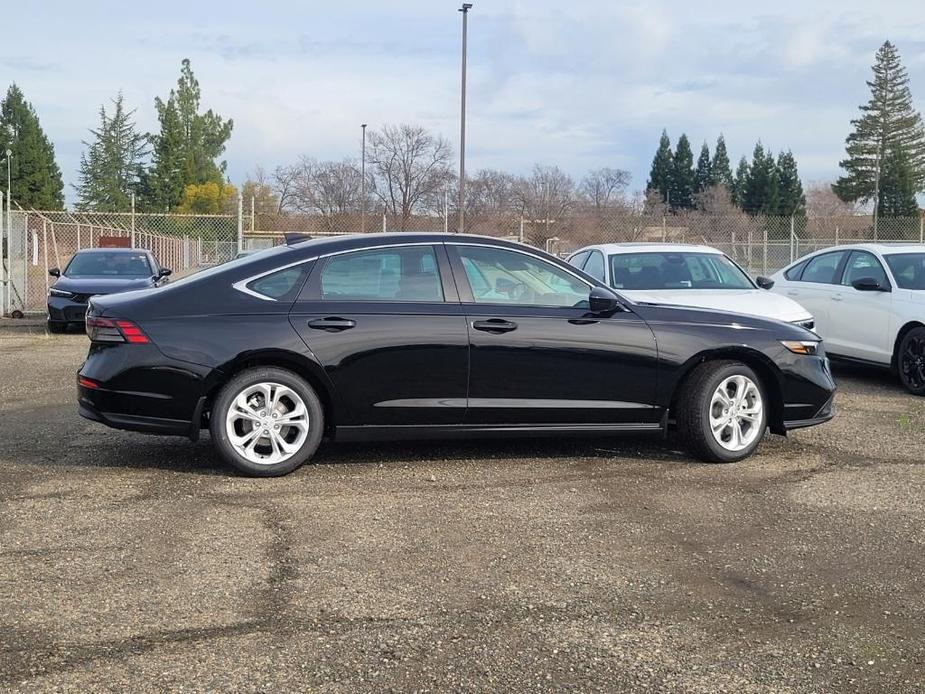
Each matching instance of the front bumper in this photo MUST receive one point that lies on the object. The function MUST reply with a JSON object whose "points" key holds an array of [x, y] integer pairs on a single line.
{"points": [[64, 310], [808, 390]]}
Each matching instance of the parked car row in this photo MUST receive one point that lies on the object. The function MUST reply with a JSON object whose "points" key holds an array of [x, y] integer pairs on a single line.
{"points": [[388, 336]]}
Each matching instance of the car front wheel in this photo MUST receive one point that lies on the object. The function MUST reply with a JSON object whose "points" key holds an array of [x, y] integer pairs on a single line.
{"points": [[911, 361], [266, 422], [722, 412]]}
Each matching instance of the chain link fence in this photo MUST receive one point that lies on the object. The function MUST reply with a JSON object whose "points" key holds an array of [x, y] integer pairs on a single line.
{"points": [[36, 241]]}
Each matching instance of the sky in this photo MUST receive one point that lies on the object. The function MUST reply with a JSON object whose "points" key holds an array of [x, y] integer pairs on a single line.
{"points": [[581, 84]]}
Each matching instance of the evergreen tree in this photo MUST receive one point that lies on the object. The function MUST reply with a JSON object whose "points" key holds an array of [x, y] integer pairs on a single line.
{"points": [[721, 171], [111, 168], [187, 146], [683, 178], [897, 186], [771, 205], [35, 176], [791, 198], [757, 187], [660, 175], [704, 176], [888, 125], [740, 185]]}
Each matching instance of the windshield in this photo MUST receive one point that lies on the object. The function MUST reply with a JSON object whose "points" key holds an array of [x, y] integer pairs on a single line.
{"points": [[102, 264], [908, 269], [676, 270]]}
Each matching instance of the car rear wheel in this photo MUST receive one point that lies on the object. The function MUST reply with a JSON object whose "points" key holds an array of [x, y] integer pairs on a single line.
{"points": [[722, 412], [266, 422], [911, 361]]}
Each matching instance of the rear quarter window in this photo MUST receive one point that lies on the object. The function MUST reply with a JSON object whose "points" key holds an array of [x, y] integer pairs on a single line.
{"points": [[282, 285], [794, 273]]}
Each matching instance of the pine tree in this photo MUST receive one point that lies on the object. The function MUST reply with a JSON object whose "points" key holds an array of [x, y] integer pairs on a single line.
{"points": [[792, 202], [771, 205], [721, 171], [660, 176], [683, 178], [757, 187], [704, 175], [888, 124], [111, 168], [740, 185], [187, 146], [35, 176], [897, 185]]}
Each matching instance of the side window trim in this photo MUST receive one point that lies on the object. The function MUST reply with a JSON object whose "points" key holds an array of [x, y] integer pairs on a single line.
{"points": [[311, 290], [462, 280], [847, 266]]}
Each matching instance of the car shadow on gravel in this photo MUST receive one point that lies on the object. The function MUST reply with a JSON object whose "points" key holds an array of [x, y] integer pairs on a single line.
{"points": [[866, 376]]}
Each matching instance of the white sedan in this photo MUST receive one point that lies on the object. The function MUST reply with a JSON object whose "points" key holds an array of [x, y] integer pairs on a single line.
{"points": [[869, 303], [684, 275]]}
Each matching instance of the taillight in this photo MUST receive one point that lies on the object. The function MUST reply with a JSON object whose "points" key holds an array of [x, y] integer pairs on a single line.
{"points": [[106, 330], [87, 383]]}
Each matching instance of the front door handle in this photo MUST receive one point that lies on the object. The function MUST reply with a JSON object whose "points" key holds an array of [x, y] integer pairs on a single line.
{"points": [[793, 293], [495, 325], [332, 324], [837, 297]]}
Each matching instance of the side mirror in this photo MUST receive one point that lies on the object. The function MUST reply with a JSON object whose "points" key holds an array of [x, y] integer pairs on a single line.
{"points": [[868, 284], [602, 300], [764, 282], [54, 272], [163, 272]]}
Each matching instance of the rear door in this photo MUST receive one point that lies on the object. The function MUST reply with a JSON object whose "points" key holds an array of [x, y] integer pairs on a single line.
{"points": [[387, 326], [538, 356]]}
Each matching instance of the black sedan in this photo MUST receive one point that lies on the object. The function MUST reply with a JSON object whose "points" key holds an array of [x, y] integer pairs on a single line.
{"points": [[428, 335], [96, 271]]}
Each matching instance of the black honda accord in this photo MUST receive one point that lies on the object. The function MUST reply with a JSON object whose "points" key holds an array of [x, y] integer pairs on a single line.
{"points": [[96, 271], [432, 335]]}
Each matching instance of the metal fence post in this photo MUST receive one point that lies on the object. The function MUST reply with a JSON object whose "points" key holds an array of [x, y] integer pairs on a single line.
{"points": [[252, 214], [240, 222], [133, 220], [764, 258], [384, 223], [664, 229], [3, 285], [922, 227]]}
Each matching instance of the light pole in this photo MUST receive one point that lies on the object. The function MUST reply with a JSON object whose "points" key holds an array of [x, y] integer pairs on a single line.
{"points": [[462, 123], [363, 183]]}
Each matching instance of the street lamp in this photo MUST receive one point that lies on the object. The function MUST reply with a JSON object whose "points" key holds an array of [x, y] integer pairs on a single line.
{"points": [[462, 122], [363, 184]]}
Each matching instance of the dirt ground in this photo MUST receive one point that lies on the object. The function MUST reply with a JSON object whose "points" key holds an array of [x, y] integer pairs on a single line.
{"points": [[130, 562]]}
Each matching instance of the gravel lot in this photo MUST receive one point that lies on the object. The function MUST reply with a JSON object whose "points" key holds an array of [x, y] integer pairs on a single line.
{"points": [[134, 562]]}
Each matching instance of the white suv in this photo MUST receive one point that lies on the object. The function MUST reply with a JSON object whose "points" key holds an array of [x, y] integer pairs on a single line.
{"points": [[869, 304], [685, 275]]}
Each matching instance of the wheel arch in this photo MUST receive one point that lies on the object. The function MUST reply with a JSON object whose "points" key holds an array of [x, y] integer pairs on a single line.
{"points": [[763, 367], [903, 331], [299, 364]]}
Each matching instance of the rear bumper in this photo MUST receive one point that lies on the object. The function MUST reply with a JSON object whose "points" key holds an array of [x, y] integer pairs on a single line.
{"points": [[137, 388]]}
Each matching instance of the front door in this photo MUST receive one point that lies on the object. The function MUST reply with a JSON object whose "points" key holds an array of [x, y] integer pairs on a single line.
{"points": [[387, 326], [859, 321], [538, 356]]}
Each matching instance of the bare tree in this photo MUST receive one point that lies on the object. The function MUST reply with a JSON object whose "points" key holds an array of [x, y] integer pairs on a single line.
{"points": [[605, 188], [821, 201], [285, 184], [413, 167]]}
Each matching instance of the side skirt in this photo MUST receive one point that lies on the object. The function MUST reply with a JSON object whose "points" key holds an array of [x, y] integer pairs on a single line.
{"points": [[475, 431]]}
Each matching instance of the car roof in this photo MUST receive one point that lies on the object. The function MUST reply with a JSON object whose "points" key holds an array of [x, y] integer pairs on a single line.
{"points": [[346, 241], [640, 247], [114, 250], [887, 248]]}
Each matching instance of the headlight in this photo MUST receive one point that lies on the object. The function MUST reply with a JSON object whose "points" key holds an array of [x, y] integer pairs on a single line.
{"points": [[60, 292], [807, 347]]}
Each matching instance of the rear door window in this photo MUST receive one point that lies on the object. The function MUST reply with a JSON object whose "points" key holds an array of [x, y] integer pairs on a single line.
{"points": [[823, 269], [384, 274], [595, 265]]}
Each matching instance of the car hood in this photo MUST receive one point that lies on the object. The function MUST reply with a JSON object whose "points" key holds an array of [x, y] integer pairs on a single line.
{"points": [[753, 302], [102, 285]]}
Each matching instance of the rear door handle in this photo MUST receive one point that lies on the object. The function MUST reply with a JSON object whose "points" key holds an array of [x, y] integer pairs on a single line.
{"points": [[331, 325], [838, 297], [495, 325], [793, 293]]}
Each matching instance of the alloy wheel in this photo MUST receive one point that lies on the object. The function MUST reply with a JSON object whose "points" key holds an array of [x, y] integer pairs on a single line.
{"points": [[736, 413], [912, 362], [267, 423]]}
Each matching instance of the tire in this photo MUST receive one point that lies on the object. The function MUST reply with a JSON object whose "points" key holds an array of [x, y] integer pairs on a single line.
{"points": [[56, 327], [240, 411], [699, 401], [910, 361]]}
